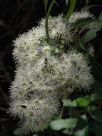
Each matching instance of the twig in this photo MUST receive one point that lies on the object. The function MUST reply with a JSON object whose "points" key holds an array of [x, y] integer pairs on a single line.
{"points": [[61, 113]]}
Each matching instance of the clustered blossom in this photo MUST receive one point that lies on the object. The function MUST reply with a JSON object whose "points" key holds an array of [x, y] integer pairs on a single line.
{"points": [[79, 15], [46, 73]]}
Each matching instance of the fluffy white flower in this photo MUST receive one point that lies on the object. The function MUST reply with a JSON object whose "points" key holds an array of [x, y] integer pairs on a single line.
{"points": [[79, 70], [35, 112], [45, 72], [79, 15], [57, 27]]}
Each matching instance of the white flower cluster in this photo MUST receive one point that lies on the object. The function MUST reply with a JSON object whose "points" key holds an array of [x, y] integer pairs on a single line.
{"points": [[79, 15], [45, 73]]}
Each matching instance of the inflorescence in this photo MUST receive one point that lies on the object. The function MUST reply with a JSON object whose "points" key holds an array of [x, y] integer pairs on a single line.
{"points": [[47, 71]]}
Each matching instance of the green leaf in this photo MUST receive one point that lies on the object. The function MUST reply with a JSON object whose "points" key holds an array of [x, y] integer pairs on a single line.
{"points": [[66, 2], [69, 103], [100, 16], [82, 22], [96, 97], [98, 92], [68, 131], [96, 115], [82, 132], [45, 3], [64, 124], [50, 7], [83, 102], [19, 132], [82, 122], [71, 9], [98, 25], [91, 34]]}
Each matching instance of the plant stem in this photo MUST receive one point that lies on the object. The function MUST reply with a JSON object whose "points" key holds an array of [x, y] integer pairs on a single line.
{"points": [[61, 113], [46, 21], [47, 31], [67, 2]]}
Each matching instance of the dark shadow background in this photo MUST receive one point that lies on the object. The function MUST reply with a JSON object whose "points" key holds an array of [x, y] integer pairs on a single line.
{"points": [[16, 17]]}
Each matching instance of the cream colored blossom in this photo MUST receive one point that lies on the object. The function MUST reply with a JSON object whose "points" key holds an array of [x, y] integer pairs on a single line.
{"points": [[79, 15], [45, 73]]}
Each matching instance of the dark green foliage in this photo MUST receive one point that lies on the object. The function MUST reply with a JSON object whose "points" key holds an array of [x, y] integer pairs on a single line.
{"points": [[71, 8]]}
